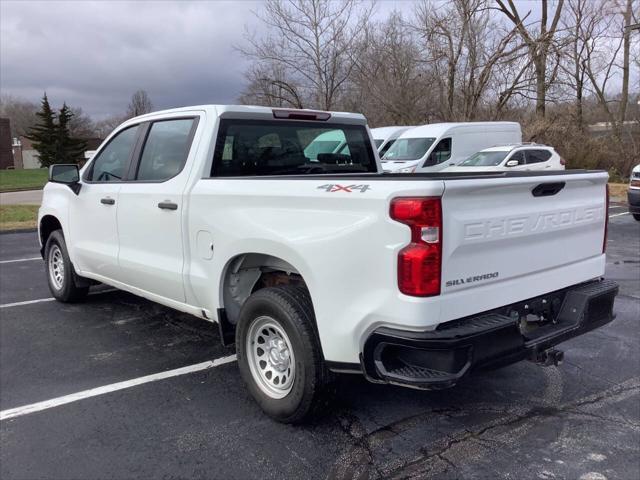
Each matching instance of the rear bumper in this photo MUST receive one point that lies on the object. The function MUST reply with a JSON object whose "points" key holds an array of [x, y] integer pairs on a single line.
{"points": [[633, 196], [440, 358]]}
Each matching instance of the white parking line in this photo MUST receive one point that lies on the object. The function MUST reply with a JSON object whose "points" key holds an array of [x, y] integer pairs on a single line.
{"points": [[49, 299], [74, 397], [26, 302], [21, 260], [618, 214]]}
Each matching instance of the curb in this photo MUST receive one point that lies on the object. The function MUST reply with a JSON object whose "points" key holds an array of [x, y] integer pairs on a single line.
{"points": [[26, 189], [19, 230]]}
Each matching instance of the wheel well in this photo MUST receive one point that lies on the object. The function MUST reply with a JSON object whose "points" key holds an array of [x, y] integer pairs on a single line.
{"points": [[250, 272], [48, 225]]}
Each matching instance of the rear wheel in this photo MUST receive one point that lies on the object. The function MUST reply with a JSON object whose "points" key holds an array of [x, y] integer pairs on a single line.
{"points": [[60, 273], [279, 354], [636, 216]]}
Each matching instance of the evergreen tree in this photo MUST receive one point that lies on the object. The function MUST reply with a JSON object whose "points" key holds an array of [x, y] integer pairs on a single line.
{"points": [[44, 133], [68, 149]]}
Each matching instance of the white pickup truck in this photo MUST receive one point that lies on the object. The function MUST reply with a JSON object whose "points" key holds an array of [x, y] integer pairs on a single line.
{"points": [[324, 265]]}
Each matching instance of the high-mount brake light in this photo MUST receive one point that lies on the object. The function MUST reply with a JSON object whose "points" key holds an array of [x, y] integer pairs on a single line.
{"points": [[420, 262], [300, 114]]}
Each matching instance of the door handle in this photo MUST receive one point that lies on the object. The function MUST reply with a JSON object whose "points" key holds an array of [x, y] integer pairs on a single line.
{"points": [[107, 201], [168, 205]]}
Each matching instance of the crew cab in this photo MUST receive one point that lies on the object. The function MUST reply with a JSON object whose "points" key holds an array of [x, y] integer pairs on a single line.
{"points": [[314, 266]]}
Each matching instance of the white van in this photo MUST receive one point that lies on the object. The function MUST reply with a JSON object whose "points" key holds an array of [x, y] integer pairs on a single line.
{"points": [[384, 137], [430, 148]]}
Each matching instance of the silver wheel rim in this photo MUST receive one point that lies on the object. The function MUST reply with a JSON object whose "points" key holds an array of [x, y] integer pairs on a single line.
{"points": [[271, 359], [56, 267]]}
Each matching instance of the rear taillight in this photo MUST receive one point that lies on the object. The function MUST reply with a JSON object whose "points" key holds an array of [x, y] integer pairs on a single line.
{"points": [[562, 161], [420, 262], [606, 223], [635, 183]]}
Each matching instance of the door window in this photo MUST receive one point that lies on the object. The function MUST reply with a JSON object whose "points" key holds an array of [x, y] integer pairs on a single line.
{"points": [[386, 147], [441, 153], [112, 161], [519, 156], [165, 150], [538, 156]]}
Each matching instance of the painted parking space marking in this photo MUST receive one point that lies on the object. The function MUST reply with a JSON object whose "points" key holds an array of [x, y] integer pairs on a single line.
{"points": [[27, 302], [114, 387], [618, 214], [31, 259], [49, 299]]}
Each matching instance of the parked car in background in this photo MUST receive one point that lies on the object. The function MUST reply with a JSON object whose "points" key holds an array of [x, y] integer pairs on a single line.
{"points": [[430, 148], [384, 137], [633, 194], [522, 156]]}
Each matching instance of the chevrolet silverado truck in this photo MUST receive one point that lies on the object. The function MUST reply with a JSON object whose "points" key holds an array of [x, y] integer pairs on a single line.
{"points": [[326, 264]]}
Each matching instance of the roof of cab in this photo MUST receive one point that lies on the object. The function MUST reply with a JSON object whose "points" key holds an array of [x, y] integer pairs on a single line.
{"points": [[438, 129], [252, 112]]}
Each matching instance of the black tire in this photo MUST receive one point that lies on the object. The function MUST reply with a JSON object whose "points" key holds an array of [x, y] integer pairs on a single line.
{"points": [[63, 287], [291, 308], [636, 216]]}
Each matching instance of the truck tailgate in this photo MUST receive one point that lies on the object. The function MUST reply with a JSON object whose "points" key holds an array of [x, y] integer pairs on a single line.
{"points": [[497, 229]]}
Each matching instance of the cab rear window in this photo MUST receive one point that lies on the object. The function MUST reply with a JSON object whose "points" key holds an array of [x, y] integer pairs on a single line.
{"points": [[260, 148]]}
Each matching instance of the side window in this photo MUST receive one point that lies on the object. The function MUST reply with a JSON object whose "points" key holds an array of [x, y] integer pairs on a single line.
{"points": [[519, 156], [165, 149], [538, 156], [386, 147], [112, 162], [442, 152]]}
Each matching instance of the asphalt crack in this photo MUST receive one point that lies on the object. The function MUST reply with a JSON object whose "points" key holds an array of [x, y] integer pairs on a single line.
{"points": [[360, 458]]}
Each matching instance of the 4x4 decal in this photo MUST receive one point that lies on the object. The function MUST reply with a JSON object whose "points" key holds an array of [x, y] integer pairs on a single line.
{"points": [[332, 187]]}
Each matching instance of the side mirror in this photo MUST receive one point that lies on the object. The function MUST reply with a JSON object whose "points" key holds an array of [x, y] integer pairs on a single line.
{"points": [[513, 163], [67, 174]]}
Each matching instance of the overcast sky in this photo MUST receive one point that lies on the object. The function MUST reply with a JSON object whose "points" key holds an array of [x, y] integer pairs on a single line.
{"points": [[94, 55]]}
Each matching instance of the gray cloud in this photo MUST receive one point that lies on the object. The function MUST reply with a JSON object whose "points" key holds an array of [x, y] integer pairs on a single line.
{"points": [[96, 54]]}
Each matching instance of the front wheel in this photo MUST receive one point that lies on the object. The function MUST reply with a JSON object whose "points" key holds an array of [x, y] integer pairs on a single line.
{"points": [[60, 273], [279, 354]]}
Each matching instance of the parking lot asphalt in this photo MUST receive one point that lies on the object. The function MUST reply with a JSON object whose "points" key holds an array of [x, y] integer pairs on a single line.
{"points": [[580, 420]]}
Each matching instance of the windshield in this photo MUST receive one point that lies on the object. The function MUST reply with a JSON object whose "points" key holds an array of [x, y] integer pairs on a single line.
{"points": [[268, 147], [409, 148], [484, 159]]}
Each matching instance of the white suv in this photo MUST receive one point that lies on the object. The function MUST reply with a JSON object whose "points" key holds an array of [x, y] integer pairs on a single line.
{"points": [[522, 156]]}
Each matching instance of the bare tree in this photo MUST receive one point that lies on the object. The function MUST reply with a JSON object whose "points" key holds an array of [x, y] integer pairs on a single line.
{"points": [[387, 83], [80, 124], [601, 60], [464, 46], [307, 54], [140, 104], [105, 126], [20, 112], [538, 43]]}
